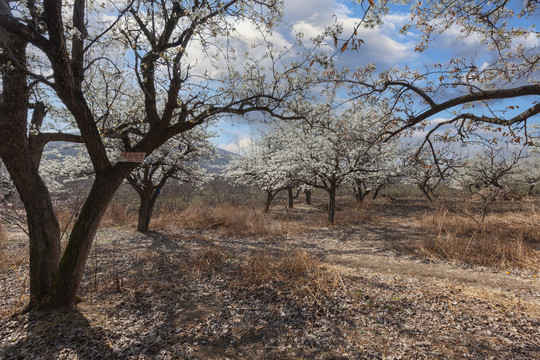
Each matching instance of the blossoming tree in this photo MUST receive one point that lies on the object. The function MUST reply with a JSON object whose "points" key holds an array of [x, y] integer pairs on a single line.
{"points": [[144, 48], [181, 158]]}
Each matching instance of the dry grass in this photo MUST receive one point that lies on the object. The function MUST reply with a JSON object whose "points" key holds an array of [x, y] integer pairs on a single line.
{"points": [[229, 220], [116, 215], [13, 257], [207, 260], [66, 219], [358, 214], [510, 239], [295, 272]]}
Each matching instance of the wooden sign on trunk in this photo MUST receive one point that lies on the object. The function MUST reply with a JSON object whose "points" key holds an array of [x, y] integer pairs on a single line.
{"points": [[137, 157]]}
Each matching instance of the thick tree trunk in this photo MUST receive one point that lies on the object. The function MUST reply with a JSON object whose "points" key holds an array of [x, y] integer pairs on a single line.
{"points": [[331, 205], [43, 227], [72, 264], [308, 197], [291, 197], [146, 210], [269, 197]]}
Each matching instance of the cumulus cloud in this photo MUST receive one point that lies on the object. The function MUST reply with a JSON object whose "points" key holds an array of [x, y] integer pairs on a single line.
{"points": [[314, 11], [237, 146], [383, 45]]}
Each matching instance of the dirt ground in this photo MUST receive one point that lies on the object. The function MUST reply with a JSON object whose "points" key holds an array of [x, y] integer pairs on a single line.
{"points": [[352, 291]]}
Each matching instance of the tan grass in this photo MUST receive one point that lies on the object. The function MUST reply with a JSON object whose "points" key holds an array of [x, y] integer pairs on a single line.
{"points": [[116, 215], [207, 260], [348, 216], [11, 257], [504, 239], [357, 215], [229, 220], [66, 219], [295, 272]]}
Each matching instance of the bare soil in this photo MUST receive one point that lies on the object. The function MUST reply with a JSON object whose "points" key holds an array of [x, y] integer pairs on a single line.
{"points": [[352, 291]]}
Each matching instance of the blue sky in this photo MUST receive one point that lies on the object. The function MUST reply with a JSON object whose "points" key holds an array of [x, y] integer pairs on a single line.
{"points": [[384, 46]]}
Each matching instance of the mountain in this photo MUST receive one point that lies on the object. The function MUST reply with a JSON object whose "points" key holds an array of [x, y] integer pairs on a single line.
{"points": [[59, 149]]}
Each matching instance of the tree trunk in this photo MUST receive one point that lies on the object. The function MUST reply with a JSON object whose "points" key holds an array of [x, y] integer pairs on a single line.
{"points": [[331, 205], [426, 193], [308, 197], [358, 193], [376, 193], [43, 227], [291, 197], [269, 198], [146, 210], [530, 192], [72, 264]]}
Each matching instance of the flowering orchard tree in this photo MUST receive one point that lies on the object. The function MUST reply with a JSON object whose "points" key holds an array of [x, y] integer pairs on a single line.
{"points": [[59, 172], [468, 93], [493, 166], [132, 47], [488, 173], [328, 149], [257, 166], [388, 167], [528, 170], [427, 170], [182, 159]]}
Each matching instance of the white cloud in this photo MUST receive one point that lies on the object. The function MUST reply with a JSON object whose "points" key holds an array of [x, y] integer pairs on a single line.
{"points": [[382, 45], [314, 11], [237, 146]]}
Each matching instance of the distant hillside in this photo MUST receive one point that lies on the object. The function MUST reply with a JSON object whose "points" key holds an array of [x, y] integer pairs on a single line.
{"points": [[221, 161], [68, 149], [64, 148]]}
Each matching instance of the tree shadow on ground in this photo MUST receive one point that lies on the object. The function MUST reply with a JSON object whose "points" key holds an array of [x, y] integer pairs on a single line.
{"points": [[60, 333], [172, 310]]}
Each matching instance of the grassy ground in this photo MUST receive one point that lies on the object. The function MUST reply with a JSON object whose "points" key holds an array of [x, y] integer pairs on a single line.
{"points": [[393, 279]]}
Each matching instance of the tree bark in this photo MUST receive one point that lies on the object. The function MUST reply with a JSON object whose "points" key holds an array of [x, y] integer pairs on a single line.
{"points": [[269, 197], [71, 268], [426, 193], [43, 227], [308, 197], [331, 205], [376, 193], [291, 197], [146, 210]]}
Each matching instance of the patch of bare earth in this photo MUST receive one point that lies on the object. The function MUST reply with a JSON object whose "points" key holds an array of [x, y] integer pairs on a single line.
{"points": [[345, 292]]}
